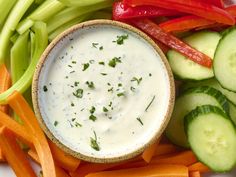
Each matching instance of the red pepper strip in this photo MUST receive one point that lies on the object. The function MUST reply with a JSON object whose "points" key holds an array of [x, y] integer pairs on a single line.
{"points": [[218, 3], [231, 10], [156, 32], [121, 11], [185, 23], [195, 7]]}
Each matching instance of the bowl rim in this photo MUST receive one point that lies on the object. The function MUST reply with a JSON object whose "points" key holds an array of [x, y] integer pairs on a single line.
{"points": [[164, 120]]}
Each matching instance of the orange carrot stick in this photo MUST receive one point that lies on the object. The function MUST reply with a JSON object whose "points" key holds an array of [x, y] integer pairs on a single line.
{"points": [[198, 166], [164, 149], [150, 151], [63, 159], [148, 171], [182, 158], [5, 83], [59, 171], [194, 174], [2, 158], [16, 128], [14, 155], [23, 110]]}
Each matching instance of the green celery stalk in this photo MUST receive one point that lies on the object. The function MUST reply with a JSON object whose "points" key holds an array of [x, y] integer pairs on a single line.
{"points": [[101, 15], [81, 3], [41, 41], [32, 44], [10, 25], [14, 38], [74, 12], [39, 1], [5, 8], [46, 10], [68, 25]]}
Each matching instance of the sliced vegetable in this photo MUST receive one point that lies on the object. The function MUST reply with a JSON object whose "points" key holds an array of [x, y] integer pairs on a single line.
{"points": [[232, 112], [188, 101], [23, 110], [231, 10], [225, 61], [205, 42], [10, 25], [156, 32], [5, 8], [195, 7], [120, 11], [185, 23], [218, 3], [150, 152], [198, 166], [15, 157], [81, 3], [25, 81], [195, 174], [2, 158], [211, 135], [152, 170], [163, 149]]}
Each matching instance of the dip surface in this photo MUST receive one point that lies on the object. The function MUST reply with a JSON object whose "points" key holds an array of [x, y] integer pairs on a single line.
{"points": [[103, 91]]}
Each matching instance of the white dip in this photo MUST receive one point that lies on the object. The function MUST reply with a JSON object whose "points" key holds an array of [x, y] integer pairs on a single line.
{"points": [[104, 91]]}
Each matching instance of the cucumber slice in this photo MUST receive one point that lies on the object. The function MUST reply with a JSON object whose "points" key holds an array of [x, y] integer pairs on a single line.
{"points": [[231, 96], [212, 137], [183, 68], [232, 112], [188, 101], [224, 64]]}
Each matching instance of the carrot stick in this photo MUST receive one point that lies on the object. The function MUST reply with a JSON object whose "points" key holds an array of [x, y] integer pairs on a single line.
{"points": [[59, 171], [14, 155], [5, 83], [182, 158], [150, 151], [148, 171], [23, 110], [194, 174], [198, 166], [16, 128], [63, 159], [164, 149], [2, 158]]}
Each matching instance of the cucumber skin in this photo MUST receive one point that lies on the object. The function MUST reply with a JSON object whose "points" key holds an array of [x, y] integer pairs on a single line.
{"points": [[224, 34], [203, 110]]}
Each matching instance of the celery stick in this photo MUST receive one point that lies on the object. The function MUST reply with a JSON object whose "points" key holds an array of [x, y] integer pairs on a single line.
{"points": [[10, 25], [46, 10], [41, 41], [68, 25], [81, 3], [101, 15], [5, 7], [32, 44], [72, 13], [39, 1], [14, 38]]}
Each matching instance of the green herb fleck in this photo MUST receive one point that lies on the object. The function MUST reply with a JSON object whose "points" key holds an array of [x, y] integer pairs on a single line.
{"points": [[72, 104], [120, 39], [105, 109], [120, 85], [85, 66], [101, 63], [137, 80], [110, 104], [140, 121], [94, 45], [90, 84], [92, 117], [73, 62], [76, 84], [150, 74], [101, 48], [92, 110], [104, 74], [150, 103], [78, 93], [45, 89], [77, 124], [91, 61], [70, 66], [94, 143], [55, 123], [132, 89], [110, 89], [73, 119], [120, 94], [112, 63], [66, 77]]}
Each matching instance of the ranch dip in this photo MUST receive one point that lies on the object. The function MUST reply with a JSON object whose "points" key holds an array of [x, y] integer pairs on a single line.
{"points": [[103, 91]]}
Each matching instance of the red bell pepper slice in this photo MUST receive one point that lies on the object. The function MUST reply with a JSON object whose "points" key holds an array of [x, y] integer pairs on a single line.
{"points": [[185, 23], [156, 32], [231, 10], [218, 3], [195, 7], [121, 11]]}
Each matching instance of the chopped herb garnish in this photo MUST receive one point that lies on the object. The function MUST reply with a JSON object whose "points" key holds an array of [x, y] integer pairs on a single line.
{"points": [[109, 83], [73, 119], [110, 89], [150, 74], [132, 89], [78, 124], [94, 45], [55, 123], [66, 77], [137, 80], [140, 121], [72, 72], [92, 117], [112, 63], [150, 103], [101, 63], [105, 109], [92, 110], [120, 94], [70, 66], [72, 104], [120, 39], [120, 85], [90, 84], [45, 89], [85, 66], [73, 62], [101, 48], [76, 83], [94, 143], [104, 74], [110, 104], [78, 93], [91, 61]]}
